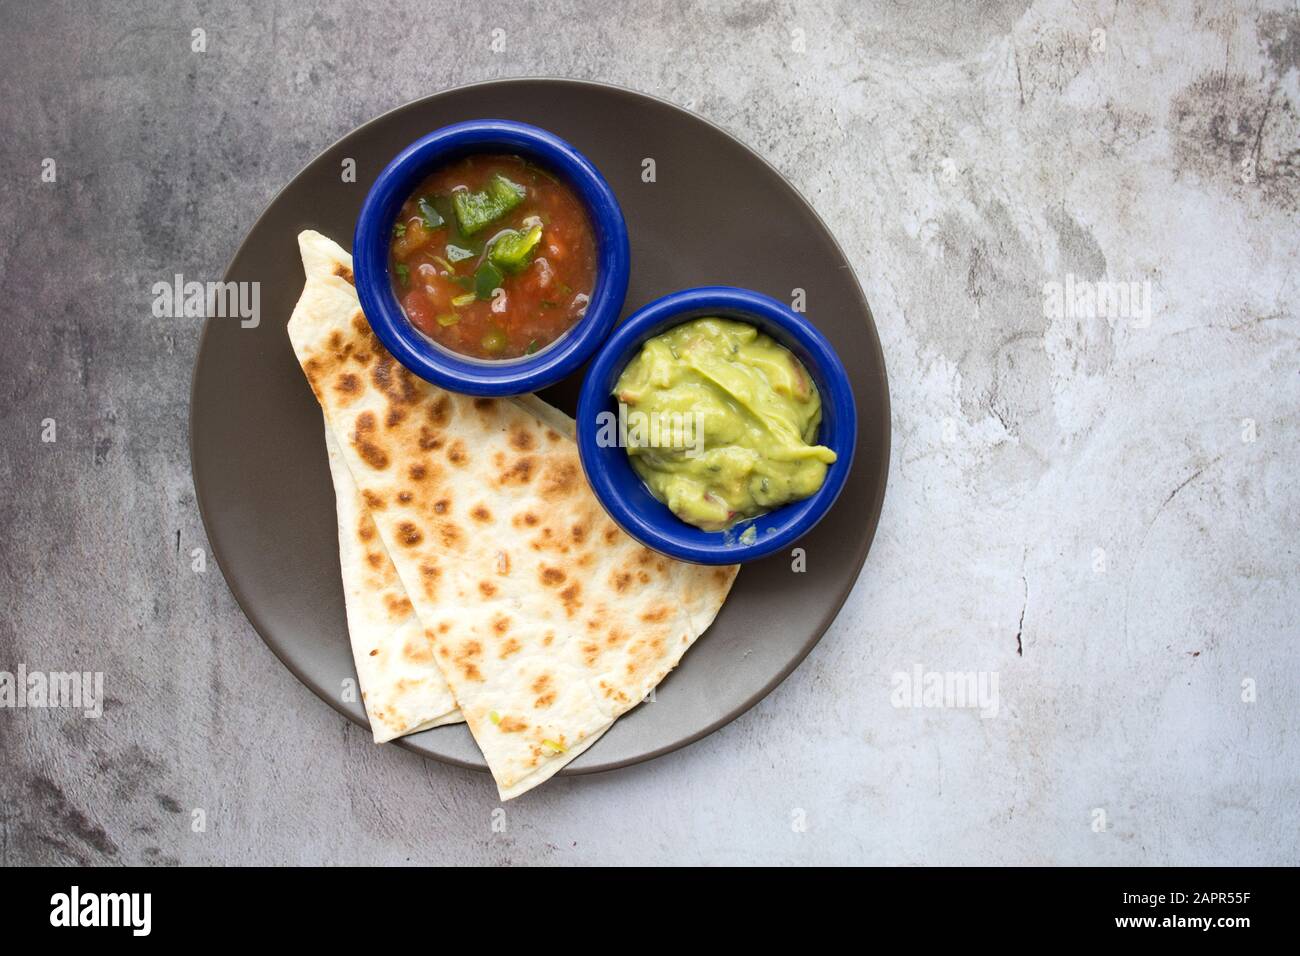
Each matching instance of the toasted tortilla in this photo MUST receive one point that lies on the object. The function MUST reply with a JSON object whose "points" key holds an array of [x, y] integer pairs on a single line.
{"points": [[401, 684], [547, 620]]}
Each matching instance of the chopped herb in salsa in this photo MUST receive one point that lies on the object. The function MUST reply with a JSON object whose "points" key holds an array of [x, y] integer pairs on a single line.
{"points": [[474, 210]]}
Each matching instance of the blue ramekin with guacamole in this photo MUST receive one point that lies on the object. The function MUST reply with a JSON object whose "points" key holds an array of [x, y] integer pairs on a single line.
{"points": [[717, 425]]}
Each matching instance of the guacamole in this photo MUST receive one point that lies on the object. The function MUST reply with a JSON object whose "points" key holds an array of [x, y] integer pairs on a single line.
{"points": [[723, 422]]}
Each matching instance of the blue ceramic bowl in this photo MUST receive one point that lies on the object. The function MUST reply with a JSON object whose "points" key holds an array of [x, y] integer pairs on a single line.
{"points": [[439, 365], [621, 490]]}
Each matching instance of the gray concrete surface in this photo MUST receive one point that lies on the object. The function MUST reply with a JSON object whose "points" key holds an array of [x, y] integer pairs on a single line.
{"points": [[1098, 511]]}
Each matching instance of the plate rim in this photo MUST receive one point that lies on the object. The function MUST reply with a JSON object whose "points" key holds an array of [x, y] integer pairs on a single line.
{"points": [[876, 506]]}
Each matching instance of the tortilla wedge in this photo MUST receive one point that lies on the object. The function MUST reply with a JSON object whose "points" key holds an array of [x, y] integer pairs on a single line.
{"points": [[547, 620], [401, 685]]}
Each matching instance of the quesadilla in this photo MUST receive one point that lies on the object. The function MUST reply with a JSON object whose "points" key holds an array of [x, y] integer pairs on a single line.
{"points": [[401, 685], [547, 620]]}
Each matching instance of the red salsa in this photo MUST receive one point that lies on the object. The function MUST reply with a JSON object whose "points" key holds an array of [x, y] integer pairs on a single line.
{"points": [[493, 257]]}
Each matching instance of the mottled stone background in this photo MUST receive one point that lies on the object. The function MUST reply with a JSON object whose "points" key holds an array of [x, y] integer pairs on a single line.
{"points": [[1074, 504]]}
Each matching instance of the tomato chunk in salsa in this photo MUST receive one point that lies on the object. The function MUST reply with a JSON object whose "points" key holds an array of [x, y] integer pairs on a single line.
{"points": [[493, 257]]}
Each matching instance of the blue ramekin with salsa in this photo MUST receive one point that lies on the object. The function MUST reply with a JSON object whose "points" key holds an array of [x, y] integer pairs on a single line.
{"points": [[717, 425], [491, 258]]}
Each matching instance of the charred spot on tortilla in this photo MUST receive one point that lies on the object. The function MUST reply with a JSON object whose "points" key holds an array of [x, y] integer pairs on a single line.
{"points": [[613, 692], [408, 534], [450, 534], [552, 577], [312, 368], [570, 598], [643, 653], [371, 453], [420, 652], [430, 440], [560, 480], [508, 647], [480, 513], [398, 606], [487, 588], [486, 405], [417, 472], [521, 439], [404, 497], [395, 381], [519, 473], [441, 506], [347, 385], [344, 273], [457, 454], [440, 411]]}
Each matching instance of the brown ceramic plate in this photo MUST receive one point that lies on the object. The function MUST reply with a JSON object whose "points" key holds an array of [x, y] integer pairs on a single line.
{"points": [[716, 214]]}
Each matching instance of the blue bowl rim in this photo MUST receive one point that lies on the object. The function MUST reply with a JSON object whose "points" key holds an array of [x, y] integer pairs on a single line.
{"points": [[385, 314], [661, 529]]}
